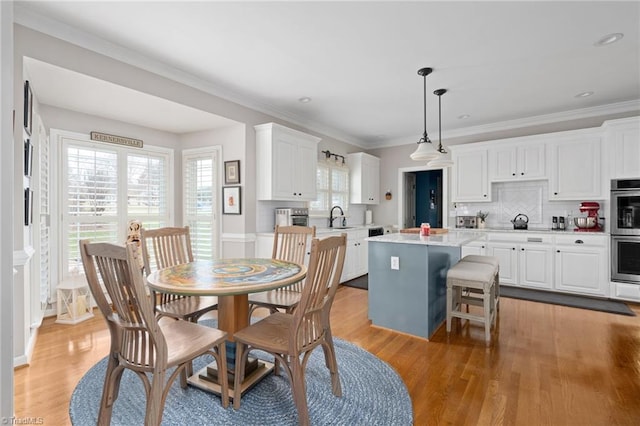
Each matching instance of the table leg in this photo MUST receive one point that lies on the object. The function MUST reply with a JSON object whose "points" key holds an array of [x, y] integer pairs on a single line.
{"points": [[233, 315]]}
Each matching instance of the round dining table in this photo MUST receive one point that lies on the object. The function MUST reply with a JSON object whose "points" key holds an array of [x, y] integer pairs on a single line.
{"points": [[231, 280]]}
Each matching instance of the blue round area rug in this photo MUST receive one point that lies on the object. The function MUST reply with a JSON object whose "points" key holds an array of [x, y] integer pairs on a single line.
{"points": [[372, 393]]}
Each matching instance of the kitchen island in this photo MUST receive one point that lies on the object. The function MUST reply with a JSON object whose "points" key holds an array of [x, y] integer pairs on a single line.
{"points": [[407, 279]]}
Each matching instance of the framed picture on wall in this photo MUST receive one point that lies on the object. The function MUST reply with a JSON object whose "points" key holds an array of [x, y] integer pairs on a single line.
{"points": [[28, 108], [28, 158], [231, 200], [231, 172]]}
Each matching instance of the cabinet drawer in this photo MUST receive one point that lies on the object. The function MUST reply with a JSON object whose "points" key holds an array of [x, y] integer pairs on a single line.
{"points": [[524, 237], [583, 240]]}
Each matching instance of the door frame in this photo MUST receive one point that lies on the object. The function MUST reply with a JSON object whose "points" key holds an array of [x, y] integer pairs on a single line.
{"points": [[445, 191]]}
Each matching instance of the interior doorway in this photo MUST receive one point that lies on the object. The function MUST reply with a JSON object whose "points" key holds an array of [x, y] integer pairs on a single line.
{"points": [[424, 196]]}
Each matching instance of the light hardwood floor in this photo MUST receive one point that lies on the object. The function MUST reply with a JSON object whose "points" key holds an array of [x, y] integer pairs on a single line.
{"points": [[548, 365]]}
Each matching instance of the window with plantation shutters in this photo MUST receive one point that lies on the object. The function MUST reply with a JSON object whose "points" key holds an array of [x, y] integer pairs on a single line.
{"points": [[332, 185], [201, 170], [103, 187], [44, 222]]}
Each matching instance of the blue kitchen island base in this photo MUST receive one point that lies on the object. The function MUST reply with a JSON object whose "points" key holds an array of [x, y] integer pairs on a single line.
{"points": [[412, 298]]}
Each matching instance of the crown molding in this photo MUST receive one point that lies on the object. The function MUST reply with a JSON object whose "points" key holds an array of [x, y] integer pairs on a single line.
{"points": [[28, 18], [597, 111]]}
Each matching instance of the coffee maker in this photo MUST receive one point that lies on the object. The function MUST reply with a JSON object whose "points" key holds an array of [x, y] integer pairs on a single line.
{"points": [[591, 208]]}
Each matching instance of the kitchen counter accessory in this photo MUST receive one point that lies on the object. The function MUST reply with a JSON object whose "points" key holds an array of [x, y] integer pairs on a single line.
{"points": [[520, 221]]}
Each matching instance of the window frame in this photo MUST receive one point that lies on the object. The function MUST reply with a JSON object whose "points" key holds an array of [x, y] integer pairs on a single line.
{"points": [[62, 140], [215, 153], [331, 165]]}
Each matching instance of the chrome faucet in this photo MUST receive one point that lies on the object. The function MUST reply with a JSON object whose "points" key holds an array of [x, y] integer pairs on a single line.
{"points": [[331, 218]]}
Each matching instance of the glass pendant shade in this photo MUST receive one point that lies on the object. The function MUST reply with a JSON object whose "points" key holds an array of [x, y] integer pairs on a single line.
{"points": [[441, 162], [425, 152]]}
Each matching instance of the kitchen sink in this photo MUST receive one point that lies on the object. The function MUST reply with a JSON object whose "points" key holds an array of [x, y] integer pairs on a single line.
{"points": [[343, 227]]}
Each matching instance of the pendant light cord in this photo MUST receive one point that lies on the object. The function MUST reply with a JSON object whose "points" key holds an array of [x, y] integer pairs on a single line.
{"points": [[439, 93], [424, 108]]}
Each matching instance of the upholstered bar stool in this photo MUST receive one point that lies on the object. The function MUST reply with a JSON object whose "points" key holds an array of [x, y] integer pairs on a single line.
{"points": [[488, 260], [471, 276]]}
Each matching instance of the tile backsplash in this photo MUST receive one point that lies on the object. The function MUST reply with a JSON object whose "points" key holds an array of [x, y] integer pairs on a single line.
{"points": [[530, 198]]}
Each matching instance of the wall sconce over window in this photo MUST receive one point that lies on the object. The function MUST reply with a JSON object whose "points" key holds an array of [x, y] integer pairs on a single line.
{"points": [[328, 154]]}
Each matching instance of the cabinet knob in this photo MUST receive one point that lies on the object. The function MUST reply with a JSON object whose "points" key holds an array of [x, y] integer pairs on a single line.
{"points": [[557, 251], [513, 248], [513, 174], [555, 193], [522, 174], [484, 195], [522, 249], [579, 242]]}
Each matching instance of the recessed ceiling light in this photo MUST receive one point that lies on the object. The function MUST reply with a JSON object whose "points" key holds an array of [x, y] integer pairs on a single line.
{"points": [[583, 95], [608, 39], [463, 116], [304, 99]]}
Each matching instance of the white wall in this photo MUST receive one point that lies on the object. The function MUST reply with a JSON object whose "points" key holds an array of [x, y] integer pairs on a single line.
{"points": [[6, 212]]}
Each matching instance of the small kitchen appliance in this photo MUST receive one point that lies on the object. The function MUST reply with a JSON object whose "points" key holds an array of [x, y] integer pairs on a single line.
{"points": [[590, 223], [465, 221], [520, 221], [290, 216]]}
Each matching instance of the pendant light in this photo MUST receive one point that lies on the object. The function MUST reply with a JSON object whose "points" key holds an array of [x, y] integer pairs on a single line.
{"points": [[425, 150], [440, 161]]}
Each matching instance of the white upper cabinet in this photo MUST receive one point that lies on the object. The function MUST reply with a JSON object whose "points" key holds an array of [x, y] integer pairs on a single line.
{"points": [[286, 163], [575, 164], [622, 142], [364, 178], [470, 179], [517, 162]]}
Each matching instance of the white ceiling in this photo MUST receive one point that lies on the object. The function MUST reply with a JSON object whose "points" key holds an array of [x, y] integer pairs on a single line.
{"points": [[502, 62]]}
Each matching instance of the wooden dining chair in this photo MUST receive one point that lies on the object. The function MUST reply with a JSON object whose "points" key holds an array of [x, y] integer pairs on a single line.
{"points": [[170, 247], [140, 341], [288, 336], [290, 244]]}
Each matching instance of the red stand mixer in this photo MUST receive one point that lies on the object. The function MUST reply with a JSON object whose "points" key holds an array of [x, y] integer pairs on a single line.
{"points": [[591, 223]]}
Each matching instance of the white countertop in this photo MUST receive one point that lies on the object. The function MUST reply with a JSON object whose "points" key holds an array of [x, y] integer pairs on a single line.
{"points": [[510, 229], [451, 238]]}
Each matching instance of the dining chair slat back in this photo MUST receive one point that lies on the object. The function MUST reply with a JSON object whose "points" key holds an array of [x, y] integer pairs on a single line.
{"points": [[171, 246], [289, 244], [290, 336], [139, 342]]}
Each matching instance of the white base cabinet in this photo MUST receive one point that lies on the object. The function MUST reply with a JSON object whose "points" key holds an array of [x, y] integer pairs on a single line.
{"points": [[356, 261], [571, 262], [582, 264], [626, 291], [477, 248], [535, 264], [357, 255], [507, 254]]}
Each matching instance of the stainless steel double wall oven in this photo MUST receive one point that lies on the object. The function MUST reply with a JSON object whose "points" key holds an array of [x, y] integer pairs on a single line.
{"points": [[625, 230]]}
